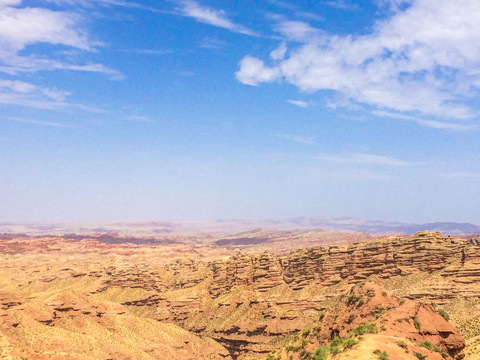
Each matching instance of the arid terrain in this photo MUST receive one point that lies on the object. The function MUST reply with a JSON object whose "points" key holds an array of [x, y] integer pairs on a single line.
{"points": [[259, 294]]}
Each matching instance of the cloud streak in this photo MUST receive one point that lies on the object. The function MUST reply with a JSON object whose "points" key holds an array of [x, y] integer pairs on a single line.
{"points": [[299, 103], [364, 159], [35, 122], [212, 17], [465, 126]]}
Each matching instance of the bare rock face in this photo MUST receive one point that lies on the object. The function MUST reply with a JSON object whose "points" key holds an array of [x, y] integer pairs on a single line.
{"points": [[413, 320], [249, 303], [455, 259]]}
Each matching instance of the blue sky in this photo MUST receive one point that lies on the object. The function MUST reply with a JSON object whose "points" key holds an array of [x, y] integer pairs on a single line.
{"points": [[115, 110]]}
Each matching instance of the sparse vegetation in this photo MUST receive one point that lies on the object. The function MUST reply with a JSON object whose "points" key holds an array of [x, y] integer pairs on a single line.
{"points": [[382, 355], [321, 353], [417, 323], [380, 313], [305, 355], [419, 356], [444, 314], [292, 348], [403, 345], [427, 344], [352, 299], [365, 329], [431, 347], [343, 343]]}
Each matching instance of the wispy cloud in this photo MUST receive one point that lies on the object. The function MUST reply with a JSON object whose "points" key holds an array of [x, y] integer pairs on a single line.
{"points": [[212, 17], [360, 174], [34, 122], [342, 4], [298, 12], [20, 93], [426, 68], [119, 3], [446, 125], [299, 103], [364, 159], [297, 31], [155, 52], [306, 140], [22, 27]]}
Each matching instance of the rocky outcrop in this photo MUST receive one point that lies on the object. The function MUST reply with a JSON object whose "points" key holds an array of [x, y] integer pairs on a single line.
{"points": [[248, 302], [425, 252]]}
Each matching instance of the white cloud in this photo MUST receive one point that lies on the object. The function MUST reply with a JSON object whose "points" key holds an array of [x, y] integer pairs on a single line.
{"points": [[300, 103], [423, 60], [253, 71], [365, 159], [21, 27], [212, 17], [279, 53], [10, 2], [297, 31]]}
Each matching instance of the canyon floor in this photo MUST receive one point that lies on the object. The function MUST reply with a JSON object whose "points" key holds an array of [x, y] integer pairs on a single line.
{"points": [[259, 294]]}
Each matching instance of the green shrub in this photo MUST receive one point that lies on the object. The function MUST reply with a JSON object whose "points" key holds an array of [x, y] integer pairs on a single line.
{"points": [[334, 350], [292, 348], [336, 341], [365, 329], [305, 355], [427, 344], [382, 355], [419, 356], [343, 343], [348, 343], [403, 345], [380, 313], [444, 314], [270, 357], [352, 299], [321, 353], [417, 323]]}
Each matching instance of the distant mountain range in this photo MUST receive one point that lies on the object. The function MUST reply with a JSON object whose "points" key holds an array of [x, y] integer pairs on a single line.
{"points": [[223, 227], [381, 227]]}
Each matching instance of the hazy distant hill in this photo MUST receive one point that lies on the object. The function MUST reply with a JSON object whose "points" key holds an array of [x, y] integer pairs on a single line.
{"points": [[224, 227], [382, 227]]}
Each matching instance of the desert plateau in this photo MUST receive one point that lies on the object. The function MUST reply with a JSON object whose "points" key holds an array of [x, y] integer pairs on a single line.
{"points": [[260, 294]]}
